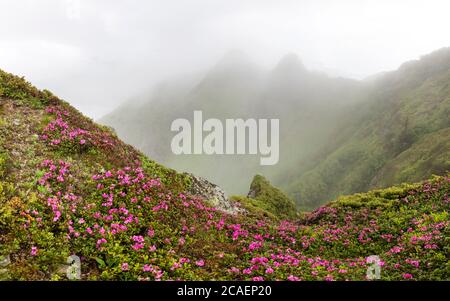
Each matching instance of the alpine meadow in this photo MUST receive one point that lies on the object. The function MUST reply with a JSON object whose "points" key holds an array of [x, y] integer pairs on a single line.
{"points": [[193, 148]]}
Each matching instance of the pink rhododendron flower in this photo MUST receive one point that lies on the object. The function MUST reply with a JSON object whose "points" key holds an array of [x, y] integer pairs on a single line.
{"points": [[234, 270], [329, 278], [137, 238], [293, 278], [407, 276], [100, 242], [184, 260], [395, 250], [125, 266], [151, 232], [137, 246], [200, 263], [57, 215]]}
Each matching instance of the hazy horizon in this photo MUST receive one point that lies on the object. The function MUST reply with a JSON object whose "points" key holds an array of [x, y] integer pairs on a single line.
{"points": [[104, 52]]}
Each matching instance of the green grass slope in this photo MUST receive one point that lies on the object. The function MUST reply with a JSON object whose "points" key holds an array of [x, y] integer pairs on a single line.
{"points": [[401, 135]]}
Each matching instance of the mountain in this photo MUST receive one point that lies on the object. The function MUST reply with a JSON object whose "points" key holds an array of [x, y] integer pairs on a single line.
{"points": [[223, 92], [401, 134], [337, 136], [236, 88], [70, 187]]}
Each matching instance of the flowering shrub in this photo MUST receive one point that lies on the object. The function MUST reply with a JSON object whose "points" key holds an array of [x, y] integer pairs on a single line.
{"points": [[58, 133], [129, 226], [67, 132], [126, 218]]}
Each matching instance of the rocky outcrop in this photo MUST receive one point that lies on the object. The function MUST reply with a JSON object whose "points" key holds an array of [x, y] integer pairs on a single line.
{"points": [[214, 195], [270, 198]]}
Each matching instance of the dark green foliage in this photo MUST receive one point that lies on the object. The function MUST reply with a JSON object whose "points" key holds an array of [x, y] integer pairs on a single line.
{"points": [[23, 92]]}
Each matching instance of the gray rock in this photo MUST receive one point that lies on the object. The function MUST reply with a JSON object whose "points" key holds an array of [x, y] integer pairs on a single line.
{"points": [[214, 195]]}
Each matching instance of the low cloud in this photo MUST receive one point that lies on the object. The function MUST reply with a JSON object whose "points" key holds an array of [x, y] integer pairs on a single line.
{"points": [[97, 53]]}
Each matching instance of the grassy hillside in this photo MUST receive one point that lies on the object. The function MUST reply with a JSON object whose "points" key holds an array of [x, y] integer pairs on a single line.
{"points": [[400, 135], [69, 186]]}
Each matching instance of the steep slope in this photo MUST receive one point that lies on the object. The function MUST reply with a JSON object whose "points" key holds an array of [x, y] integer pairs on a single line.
{"points": [[400, 135], [70, 187]]}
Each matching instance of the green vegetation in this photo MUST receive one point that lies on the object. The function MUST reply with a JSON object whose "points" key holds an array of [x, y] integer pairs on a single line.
{"points": [[400, 135], [130, 218], [268, 198], [337, 136], [254, 207], [23, 92], [166, 175], [3, 162]]}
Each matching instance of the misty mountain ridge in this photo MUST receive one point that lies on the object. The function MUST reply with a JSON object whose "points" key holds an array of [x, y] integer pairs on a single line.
{"points": [[337, 135]]}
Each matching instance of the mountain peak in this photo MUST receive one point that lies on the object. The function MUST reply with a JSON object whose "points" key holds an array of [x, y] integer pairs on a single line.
{"points": [[234, 56], [289, 65], [235, 69], [234, 60]]}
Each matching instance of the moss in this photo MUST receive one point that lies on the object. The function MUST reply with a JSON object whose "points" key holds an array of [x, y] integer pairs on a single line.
{"points": [[253, 206], [269, 198]]}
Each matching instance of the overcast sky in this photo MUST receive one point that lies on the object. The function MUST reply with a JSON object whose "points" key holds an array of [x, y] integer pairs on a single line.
{"points": [[97, 53]]}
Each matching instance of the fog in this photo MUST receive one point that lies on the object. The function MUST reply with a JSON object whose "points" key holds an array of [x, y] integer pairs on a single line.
{"points": [[98, 53]]}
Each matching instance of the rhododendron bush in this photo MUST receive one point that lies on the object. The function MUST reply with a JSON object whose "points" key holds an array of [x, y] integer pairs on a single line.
{"points": [[130, 227]]}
